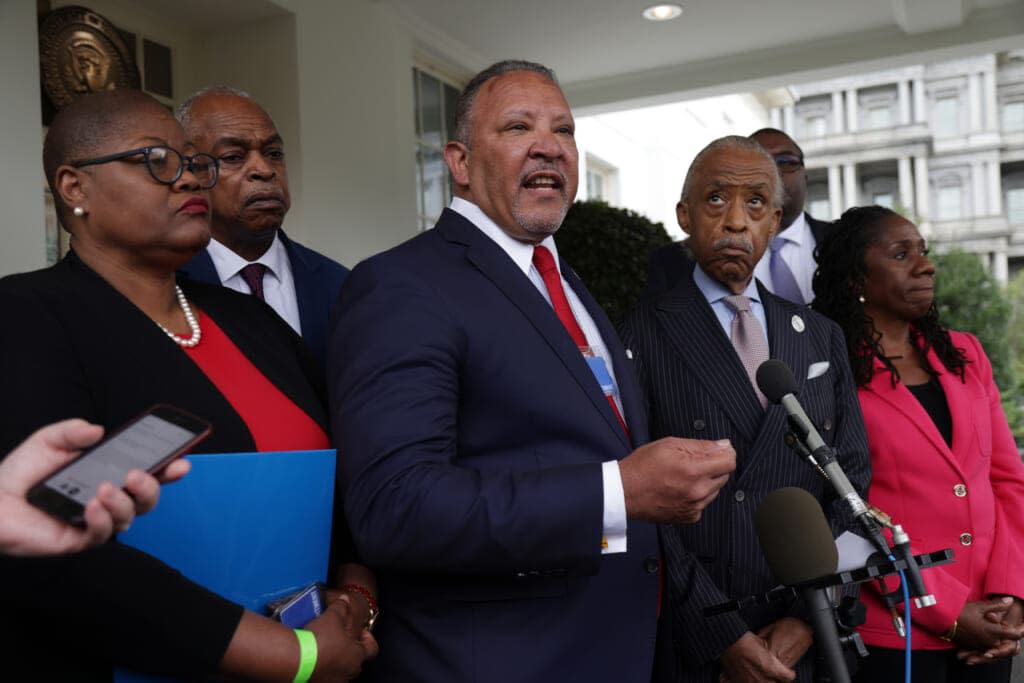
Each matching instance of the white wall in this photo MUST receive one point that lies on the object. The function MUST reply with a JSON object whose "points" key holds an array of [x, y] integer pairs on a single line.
{"points": [[22, 235], [652, 147]]}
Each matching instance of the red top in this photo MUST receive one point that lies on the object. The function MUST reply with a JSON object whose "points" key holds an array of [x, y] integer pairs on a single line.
{"points": [[275, 422]]}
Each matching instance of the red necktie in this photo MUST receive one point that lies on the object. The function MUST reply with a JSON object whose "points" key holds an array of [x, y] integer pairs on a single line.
{"points": [[253, 276], [545, 264]]}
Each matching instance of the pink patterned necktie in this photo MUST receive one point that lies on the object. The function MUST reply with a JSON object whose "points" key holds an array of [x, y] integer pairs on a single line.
{"points": [[253, 276], [748, 339]]}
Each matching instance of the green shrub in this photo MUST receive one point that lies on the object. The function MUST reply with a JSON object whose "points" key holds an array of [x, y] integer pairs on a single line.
{"points": [[608, 248]]}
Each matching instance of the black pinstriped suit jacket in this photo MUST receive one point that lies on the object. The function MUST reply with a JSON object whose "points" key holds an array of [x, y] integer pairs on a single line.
{"points": [[696, 387]]}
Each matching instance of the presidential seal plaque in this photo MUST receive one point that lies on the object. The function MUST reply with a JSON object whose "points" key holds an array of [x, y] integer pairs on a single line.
{"points": [[81, 52]]}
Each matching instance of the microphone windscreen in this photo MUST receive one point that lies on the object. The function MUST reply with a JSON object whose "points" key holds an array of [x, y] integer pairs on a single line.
{"points": [[775, 380], [794, 536]]}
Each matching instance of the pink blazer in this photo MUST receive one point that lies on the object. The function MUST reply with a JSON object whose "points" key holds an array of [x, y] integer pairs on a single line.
{"points": [[969, 498]]}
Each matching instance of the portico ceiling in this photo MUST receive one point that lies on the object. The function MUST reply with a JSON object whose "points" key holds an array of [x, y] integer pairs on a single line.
{"points": [[606, 53]]}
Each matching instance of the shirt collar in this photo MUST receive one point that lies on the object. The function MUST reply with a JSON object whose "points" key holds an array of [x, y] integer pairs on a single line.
{"points": [[714, 291], [798, 231], [228, 263], [521, 253]]}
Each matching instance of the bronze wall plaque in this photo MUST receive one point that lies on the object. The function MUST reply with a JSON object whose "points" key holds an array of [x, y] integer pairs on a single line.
{"points": [[81, 52]]}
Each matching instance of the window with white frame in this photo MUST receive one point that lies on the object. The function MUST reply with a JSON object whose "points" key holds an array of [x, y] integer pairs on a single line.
{"points": [[816, 126], [817, 203], [879, 116], [949, 202], [1013, 115], [1015, 205], [946, 117], [434, 111], [602, 180]]}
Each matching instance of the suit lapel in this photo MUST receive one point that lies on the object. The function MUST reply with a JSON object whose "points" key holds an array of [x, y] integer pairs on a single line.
{"points": [[629, 392], [900, 398], [495, 264], [201, 268], [694, 332], [307, 294]]}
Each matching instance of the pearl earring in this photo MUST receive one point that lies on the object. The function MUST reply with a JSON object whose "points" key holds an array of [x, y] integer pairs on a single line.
{"points": [[860, 298], [78, 211]]}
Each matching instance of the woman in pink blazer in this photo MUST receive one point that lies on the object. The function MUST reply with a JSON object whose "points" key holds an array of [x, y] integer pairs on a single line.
{"points": [[943, 460]]}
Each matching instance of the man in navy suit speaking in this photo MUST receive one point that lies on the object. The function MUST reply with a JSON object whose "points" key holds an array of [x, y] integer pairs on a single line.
{"points": [[492, 439], [249, 251]]}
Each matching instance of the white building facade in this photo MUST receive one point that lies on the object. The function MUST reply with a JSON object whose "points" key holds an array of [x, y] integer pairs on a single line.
{"points": [[943, 143]]}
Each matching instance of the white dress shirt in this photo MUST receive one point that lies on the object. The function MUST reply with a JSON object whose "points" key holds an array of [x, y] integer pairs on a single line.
{"points": [[521, 253], [278, 283], [798, 253]]}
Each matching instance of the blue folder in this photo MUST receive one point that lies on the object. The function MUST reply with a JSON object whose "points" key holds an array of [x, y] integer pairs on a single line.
{"points": [[252, 527]]}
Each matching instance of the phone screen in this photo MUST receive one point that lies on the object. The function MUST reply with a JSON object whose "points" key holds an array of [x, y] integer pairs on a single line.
{"points": [[143, 444]]}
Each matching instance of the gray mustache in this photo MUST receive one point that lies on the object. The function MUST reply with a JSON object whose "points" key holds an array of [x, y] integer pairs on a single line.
{"points": [[735, 243]]}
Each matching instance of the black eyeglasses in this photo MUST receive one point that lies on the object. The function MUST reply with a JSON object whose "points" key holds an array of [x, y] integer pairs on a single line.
{"points": [[166, 164], [788, 163]]}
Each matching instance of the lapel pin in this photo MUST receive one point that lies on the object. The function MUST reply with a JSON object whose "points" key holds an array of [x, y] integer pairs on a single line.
{"points": [[798, 323], [629, 354]]}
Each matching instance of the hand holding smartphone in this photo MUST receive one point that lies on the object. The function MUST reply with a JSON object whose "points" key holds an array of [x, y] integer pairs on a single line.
{"points": [[149, 442]]}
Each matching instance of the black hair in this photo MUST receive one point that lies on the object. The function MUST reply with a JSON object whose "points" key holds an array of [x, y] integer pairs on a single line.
{"points": [[839, 283], [464, 105]]}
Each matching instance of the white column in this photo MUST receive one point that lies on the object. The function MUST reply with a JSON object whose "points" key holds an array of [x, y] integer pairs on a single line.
{"points": [[850, 186], [776, 118], [988, 79], [920, 115], [978, 188], [835, 192], [1000, 267], [21, 174], [788, 115], [837, 112], [851, 110], [995, 189], [974, 100], [921, 198], [906, 181], [903, 95]]}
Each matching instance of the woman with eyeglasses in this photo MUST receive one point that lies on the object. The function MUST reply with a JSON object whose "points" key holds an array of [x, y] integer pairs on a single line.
{"points": [[943, 461], [103, 335]]}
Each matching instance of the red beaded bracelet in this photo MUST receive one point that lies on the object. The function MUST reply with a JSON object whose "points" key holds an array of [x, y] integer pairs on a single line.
{"points": [[370, 602]]}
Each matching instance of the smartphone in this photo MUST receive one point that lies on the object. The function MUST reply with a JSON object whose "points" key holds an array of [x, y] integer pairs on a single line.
{"points": [[148, 442], [298, 609]]}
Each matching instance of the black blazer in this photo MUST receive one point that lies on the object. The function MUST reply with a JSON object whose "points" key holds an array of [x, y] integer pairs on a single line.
{"points": [[667, 265], [80, 349], [696, 387]]}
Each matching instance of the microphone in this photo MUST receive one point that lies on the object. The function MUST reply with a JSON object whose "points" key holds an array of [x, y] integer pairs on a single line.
{"points": [[798, 544], [777, 383]]}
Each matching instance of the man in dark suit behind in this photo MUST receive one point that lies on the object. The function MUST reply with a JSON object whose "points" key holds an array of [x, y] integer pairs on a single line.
{"points": [[795, 241], [249, 251], [693, 347], [490, 428]]}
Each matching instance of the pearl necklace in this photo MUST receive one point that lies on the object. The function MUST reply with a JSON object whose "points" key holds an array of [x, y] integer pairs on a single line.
{"points": [[190, 318]]}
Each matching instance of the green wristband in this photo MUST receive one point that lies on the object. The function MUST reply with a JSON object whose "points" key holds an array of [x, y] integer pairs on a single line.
{"points": [[307, 655]]}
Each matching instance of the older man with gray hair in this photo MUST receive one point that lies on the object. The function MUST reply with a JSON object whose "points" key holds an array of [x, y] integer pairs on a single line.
{"points": [[249, 251], [696, 349]]}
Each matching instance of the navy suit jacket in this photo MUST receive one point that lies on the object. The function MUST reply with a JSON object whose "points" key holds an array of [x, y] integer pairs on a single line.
{"points": [[318, 280], [696, 387], [471, 433], [667, 265]]}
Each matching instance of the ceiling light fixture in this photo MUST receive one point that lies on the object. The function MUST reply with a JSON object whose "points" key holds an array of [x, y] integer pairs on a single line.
{"points": [[662, 12]]}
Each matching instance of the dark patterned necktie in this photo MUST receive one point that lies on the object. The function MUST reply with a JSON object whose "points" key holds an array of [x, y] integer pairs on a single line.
{"points": [[253, 276]]}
